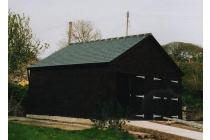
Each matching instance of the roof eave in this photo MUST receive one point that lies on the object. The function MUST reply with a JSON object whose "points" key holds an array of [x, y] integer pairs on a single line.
{"points": [[73, 65]]}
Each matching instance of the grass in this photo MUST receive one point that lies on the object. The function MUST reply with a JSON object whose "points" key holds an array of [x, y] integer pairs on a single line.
{"points": [[29, 132]]}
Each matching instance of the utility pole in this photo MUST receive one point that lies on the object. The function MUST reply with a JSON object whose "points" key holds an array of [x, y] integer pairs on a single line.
{"points": [[70, 30], [127, 23]]}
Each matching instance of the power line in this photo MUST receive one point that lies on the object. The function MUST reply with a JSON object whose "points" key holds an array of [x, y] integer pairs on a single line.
{"points": [[108, 17], [166, 16], [57, 26], [52, 26], [116, 17], [95, 20], [119, 26]]}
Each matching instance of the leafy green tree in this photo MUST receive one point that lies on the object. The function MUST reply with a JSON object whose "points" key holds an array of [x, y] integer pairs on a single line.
{"points": [[23, 46], [193, 79], [184, 52], [181, 53], [189, 57]]}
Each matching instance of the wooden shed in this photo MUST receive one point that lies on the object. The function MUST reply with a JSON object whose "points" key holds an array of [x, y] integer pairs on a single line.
{"points": [[133, 70]]}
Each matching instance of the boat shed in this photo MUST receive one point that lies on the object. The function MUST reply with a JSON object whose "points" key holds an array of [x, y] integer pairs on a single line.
{"points": [[133, 70]]}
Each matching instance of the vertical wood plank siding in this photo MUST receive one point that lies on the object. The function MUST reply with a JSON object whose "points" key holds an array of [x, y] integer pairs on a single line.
{"points": [[64, 91], [147, 60]]}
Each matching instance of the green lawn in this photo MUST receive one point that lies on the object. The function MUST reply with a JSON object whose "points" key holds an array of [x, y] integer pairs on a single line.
{"points": [[29, 132]]}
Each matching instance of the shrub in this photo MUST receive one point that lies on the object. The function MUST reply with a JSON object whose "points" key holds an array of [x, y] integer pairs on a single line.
{"points": [[17, 97], [192, 100], [111, 115], [18, 92]]}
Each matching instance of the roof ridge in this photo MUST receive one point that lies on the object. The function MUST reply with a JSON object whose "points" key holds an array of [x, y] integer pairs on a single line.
{"points": [[111, 38]]}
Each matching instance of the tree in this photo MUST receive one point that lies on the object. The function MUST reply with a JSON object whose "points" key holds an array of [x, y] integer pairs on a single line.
{"points": [[23, 46], [192, 80], [184, 52], [181, 53], [82, 31]]}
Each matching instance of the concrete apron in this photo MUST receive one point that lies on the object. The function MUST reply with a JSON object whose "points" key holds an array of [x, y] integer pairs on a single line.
{"points": [[168, 129]]}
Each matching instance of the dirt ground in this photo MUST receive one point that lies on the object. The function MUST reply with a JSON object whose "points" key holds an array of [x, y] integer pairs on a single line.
{"points": [[180, 125], [48, 123]]}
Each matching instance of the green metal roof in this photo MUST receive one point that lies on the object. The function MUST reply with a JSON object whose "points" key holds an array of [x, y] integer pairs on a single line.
{"points": [[99, 51]]}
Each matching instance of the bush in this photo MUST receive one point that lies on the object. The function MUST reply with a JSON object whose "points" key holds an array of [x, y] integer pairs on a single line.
{"points": [[111, 115], [18, 92], [17, 97], [192, 100]]}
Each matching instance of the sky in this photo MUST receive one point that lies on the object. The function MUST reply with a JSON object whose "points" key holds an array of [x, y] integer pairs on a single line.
{"points": [[167, 20]]}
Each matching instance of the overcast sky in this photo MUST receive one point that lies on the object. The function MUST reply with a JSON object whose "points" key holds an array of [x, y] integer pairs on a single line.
{"points": [[167, 20]]}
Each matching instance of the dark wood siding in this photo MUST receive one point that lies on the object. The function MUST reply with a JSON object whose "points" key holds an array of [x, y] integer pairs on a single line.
{"points": [[64, 91], [108, 85], [148, 60]]}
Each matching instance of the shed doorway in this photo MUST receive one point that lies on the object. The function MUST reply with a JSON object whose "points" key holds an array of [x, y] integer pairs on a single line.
{"points": [[131, 92], [137, 95]]}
